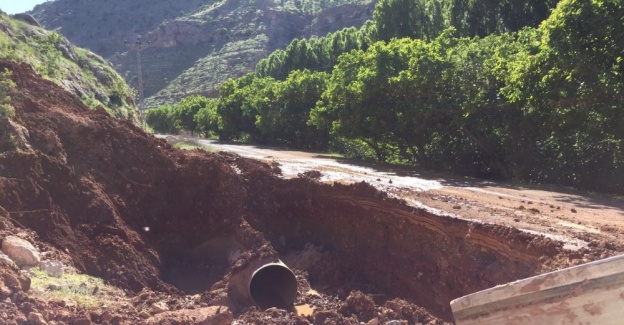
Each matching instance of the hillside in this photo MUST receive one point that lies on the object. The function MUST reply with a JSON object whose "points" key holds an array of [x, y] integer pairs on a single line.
{"points": [[190, 47], [77, 70]]}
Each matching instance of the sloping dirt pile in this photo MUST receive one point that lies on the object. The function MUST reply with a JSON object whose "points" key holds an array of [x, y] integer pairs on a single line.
{"points": [[182, 228]]}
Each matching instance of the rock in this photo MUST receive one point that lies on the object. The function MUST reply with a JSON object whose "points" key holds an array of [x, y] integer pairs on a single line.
{"points": [[4, 292], [23, 253], [17, 283], [101, 96], [144, 314], [107, 316], [20, 319], [36, 319], [374, 321], [313, 293], [75, 88], [322, 316], [12, 135], [67, 50], [360, 304], [11, 281], [27, 18], [81, 321], [7, 261], [217, 315], [300, 320], [53, 268], [214, 315], [159, 307], [24, 282]]}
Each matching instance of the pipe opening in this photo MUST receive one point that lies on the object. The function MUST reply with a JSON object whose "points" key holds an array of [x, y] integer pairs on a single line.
{"points": [[273, 285]]}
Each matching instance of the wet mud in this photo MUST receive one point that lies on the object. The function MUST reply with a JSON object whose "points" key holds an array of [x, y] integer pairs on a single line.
{"points": [[116, 203]]}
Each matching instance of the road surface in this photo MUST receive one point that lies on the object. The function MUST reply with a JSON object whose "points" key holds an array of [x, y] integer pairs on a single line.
{"points": [[577, 218]]}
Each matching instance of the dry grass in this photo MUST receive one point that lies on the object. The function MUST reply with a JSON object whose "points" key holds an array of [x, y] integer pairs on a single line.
{"points": [[82, 289]]}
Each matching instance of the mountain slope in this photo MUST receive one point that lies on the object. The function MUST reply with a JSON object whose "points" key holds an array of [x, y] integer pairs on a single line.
{"points": [[190, 47], [77, 70]]}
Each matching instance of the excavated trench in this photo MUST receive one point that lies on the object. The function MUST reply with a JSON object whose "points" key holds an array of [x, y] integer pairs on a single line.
{"points": [[127, 207], [370, 242]]}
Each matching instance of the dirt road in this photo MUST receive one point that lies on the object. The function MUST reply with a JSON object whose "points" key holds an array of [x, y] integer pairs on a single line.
{"points": [[577, 218]]}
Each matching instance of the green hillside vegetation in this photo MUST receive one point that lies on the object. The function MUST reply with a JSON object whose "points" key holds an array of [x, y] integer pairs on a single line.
{"points": [[541, 104], [6, 84], [103, 25], [79, 71]]}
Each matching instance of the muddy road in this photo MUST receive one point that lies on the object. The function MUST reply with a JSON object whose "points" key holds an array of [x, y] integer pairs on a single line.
{"points": [[579, 219]]}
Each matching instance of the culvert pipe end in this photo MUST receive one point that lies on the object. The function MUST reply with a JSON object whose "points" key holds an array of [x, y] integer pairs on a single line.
{"points": [[273, 285]]}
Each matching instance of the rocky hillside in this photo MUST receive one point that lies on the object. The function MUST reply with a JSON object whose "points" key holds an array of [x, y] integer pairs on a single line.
{"points": [[79, 71], [190, 47]]}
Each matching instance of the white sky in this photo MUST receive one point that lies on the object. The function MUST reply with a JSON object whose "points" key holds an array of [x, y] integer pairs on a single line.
{"points": [[17, 6]]}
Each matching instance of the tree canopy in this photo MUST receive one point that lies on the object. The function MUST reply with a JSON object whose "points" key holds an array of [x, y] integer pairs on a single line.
{"points": [[495, 89]]}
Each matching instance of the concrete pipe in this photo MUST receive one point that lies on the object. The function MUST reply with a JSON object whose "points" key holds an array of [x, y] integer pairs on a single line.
{"points": [[272, 285], [264, 282]]}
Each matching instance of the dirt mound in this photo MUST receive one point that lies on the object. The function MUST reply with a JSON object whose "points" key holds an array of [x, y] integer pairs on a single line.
{"points": [[103, 196]]}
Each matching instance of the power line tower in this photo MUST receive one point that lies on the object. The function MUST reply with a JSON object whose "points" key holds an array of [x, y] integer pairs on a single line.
{"points": [[137, 47], [139, 100]]}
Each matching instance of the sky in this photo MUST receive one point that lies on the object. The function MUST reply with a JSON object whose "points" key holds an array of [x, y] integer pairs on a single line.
{"points": [[17, 6]]}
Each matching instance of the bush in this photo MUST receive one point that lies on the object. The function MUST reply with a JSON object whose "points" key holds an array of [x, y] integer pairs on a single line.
{"points": [[6, 84]]}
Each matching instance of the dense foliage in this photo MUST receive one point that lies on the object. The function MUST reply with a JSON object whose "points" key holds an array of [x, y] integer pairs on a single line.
{"points": [[425, 19], [273, 112], [183, 116], [540, 104], [420, 19]]}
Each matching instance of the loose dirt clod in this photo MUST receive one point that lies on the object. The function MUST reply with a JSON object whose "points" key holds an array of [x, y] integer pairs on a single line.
{"points": [[102, 196]]}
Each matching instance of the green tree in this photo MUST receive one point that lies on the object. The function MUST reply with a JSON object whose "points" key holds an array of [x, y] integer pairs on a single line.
{"points": [[283, 119], [574, 83], [400, 18], [234, 123], [207, 119], [314, 54], [50, 66], [425, 99], [359, 101], [184, 112], [485, 17], [161, 119]]}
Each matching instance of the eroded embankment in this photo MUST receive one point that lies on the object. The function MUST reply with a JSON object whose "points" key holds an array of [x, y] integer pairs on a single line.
{"points": [[402, 251], [122, 205]]}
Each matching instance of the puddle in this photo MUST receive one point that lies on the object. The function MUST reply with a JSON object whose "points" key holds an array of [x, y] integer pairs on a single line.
{"points": [[303, 310]]}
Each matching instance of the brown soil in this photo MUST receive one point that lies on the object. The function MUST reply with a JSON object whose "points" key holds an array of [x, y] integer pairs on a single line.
{"points": [[104, 197]]}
